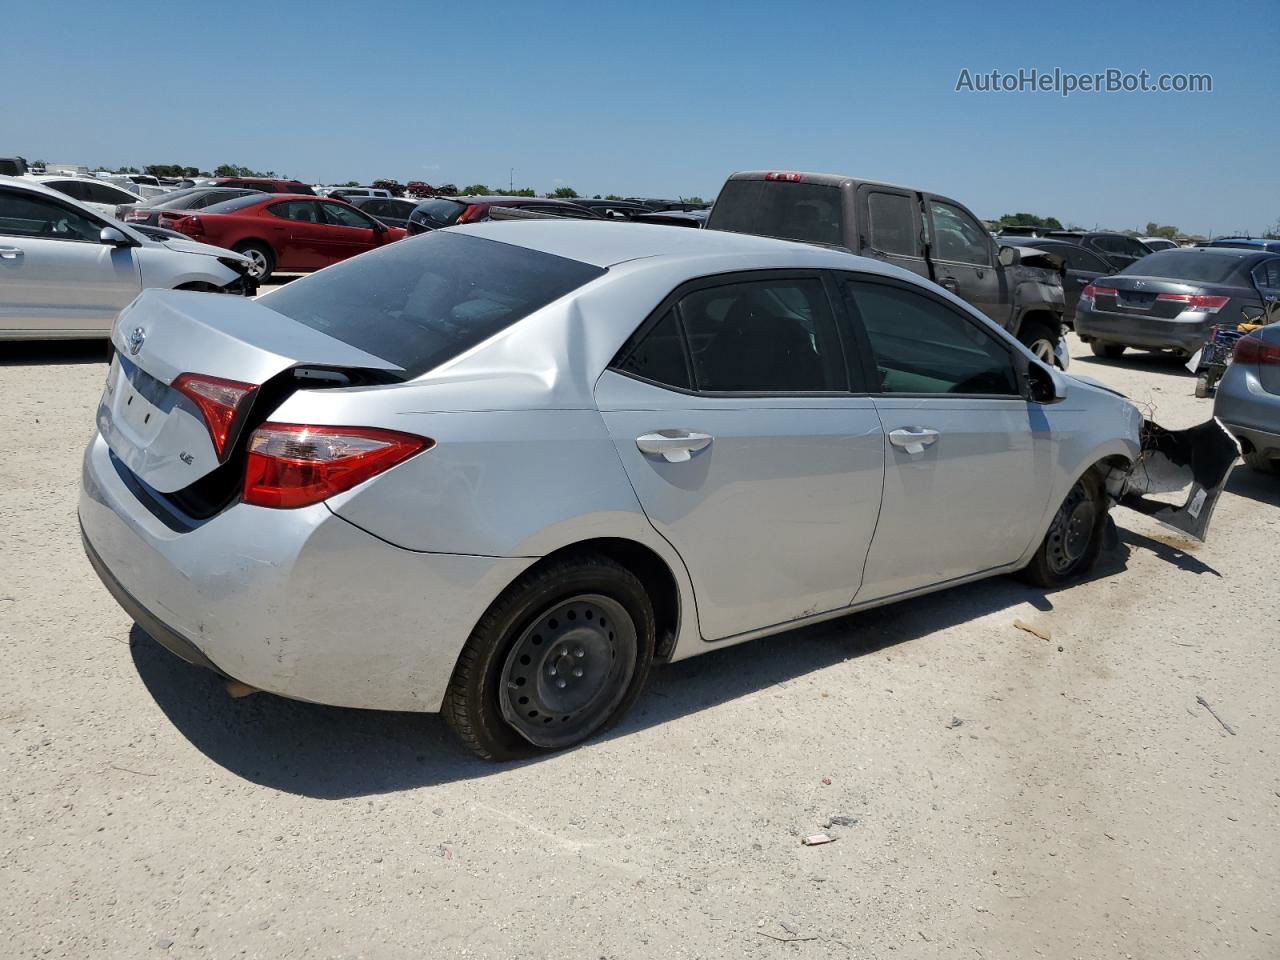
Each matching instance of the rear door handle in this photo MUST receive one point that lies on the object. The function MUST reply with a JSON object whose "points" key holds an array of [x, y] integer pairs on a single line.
{"points": [[913, 439], [675, 446], [10, 253]]}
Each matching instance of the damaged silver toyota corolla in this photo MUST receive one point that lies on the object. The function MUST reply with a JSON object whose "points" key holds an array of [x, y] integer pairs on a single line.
{"points": [[500, 470]]}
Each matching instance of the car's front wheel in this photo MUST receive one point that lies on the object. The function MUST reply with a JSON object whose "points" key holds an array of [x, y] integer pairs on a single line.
{"points": [[1074, 539], [1042, 340], [262, 261], [560, 655]]}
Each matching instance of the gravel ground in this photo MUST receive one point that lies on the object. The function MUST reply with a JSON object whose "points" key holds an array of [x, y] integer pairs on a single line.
{"points": [[992, 794]]}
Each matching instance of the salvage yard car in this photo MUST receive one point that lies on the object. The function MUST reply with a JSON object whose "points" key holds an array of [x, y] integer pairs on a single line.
{"points": [[923, 232], [66, 271], [1171, 299], [500, 470], [294, 234]]}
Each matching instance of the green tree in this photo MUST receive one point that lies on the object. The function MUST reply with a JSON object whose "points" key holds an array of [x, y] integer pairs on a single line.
{"points": [[563, 193], [692, 200], [1029, 220], [613, 196], [235, 170], [352, 183], [1158, 230], [524, 192], [475, 190]]}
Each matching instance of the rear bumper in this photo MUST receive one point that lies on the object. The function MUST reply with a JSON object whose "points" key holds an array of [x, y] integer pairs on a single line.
{"points": [[1148, 332], [295, 602]]}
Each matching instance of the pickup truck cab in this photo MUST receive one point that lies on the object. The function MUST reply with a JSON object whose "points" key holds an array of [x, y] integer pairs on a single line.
{"points": [[926, 233]]}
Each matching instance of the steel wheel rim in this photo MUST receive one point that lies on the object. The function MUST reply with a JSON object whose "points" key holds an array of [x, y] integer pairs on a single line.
{"points": [[568, 670], [1072, 530]]}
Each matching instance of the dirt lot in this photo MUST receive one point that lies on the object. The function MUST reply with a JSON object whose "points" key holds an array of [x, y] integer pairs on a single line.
{"points": [[1085, 806]]}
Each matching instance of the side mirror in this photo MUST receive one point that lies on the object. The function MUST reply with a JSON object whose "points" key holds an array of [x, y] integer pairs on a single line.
{"points": [[1009, 256], [114, 238], [1041, 383]]}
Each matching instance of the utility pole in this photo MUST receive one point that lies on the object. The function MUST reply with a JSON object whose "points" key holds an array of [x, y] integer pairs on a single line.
{"points": [[511, 181]]}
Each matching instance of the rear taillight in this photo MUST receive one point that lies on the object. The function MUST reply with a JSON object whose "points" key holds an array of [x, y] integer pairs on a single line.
{"points": [[1090, 292], [1204, 304], [219, 402], [473, 212], [131, 215], [788, 177], [1255, 350], [191, 226], [291, 465]]}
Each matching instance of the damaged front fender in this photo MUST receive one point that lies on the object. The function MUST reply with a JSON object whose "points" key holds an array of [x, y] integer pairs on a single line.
{"points": [[1189, 467]]}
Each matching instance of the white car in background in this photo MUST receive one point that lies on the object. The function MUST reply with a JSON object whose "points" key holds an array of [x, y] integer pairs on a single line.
{"points": [[144, 185], [66, 272], [97, 195]]}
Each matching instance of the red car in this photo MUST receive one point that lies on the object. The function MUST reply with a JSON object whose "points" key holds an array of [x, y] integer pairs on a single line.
{"points": [[293, 234], [265, 184]]}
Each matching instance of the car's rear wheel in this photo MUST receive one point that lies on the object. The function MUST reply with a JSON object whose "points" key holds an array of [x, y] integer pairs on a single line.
{"points": [[1261, 462], [1109, 350], [1041, 339], [559, 656], [262, 261], [1074, 539]]}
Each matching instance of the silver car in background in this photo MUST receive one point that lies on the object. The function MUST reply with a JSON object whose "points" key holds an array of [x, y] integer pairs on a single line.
{"points": [[67, 271], [499, 470], [1248, 395]]}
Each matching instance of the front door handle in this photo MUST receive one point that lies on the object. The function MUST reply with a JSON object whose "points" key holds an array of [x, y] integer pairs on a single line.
{"points": [[913, 439], [675, 446], [10, 253]]}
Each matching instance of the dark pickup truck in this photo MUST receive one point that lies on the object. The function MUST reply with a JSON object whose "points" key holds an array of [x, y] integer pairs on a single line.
{"points": [[931, 235]]}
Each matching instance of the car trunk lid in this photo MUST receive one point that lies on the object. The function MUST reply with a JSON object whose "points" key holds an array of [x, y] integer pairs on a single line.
{"points": [[1142, 296], [165, 435]]}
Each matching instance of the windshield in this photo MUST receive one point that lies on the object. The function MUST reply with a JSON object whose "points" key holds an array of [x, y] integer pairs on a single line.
{"points": [[420, 302], [1193, 265], [778, 208]]}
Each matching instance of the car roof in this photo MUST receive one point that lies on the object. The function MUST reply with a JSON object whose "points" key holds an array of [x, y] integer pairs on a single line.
{"points": [[605, 243], [825, 179], [1234, 253]]}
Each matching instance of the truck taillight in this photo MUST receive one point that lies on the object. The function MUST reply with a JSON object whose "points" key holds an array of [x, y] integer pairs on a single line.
{"points": [[291, 465], [787, 177], [1204, 304], [1255, 350], [219, 402]]}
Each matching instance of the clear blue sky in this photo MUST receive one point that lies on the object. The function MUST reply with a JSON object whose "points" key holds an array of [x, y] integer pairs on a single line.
{"points": [[666, 98]]}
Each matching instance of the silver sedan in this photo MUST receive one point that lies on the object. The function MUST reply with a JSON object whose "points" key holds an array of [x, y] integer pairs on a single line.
{"points": [[501, 470]]}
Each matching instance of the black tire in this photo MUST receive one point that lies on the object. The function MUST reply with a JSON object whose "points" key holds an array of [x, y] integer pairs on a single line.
{"points": [[1040, 338], [1203, 387], [263, 257], [483, 695], [1074, 539], [1261, 462], [1109, 350]]}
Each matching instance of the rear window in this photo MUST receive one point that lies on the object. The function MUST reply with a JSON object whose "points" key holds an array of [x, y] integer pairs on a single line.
{"points": [[779, 208], [420, 302], [237, 203], [1193, 265], [440, 212]]}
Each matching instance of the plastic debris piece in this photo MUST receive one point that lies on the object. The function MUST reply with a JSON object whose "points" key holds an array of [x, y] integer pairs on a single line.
{"points": [[817, 840]]}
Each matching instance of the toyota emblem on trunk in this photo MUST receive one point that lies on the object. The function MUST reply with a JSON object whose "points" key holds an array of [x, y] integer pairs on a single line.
{"points": [[136, 340]]}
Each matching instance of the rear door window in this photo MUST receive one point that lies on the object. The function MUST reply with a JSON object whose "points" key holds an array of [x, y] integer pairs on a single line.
{"points": [[766, 336], [340, 215], [658, 354], [420, 302], [892, 224], [923, 346]]}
